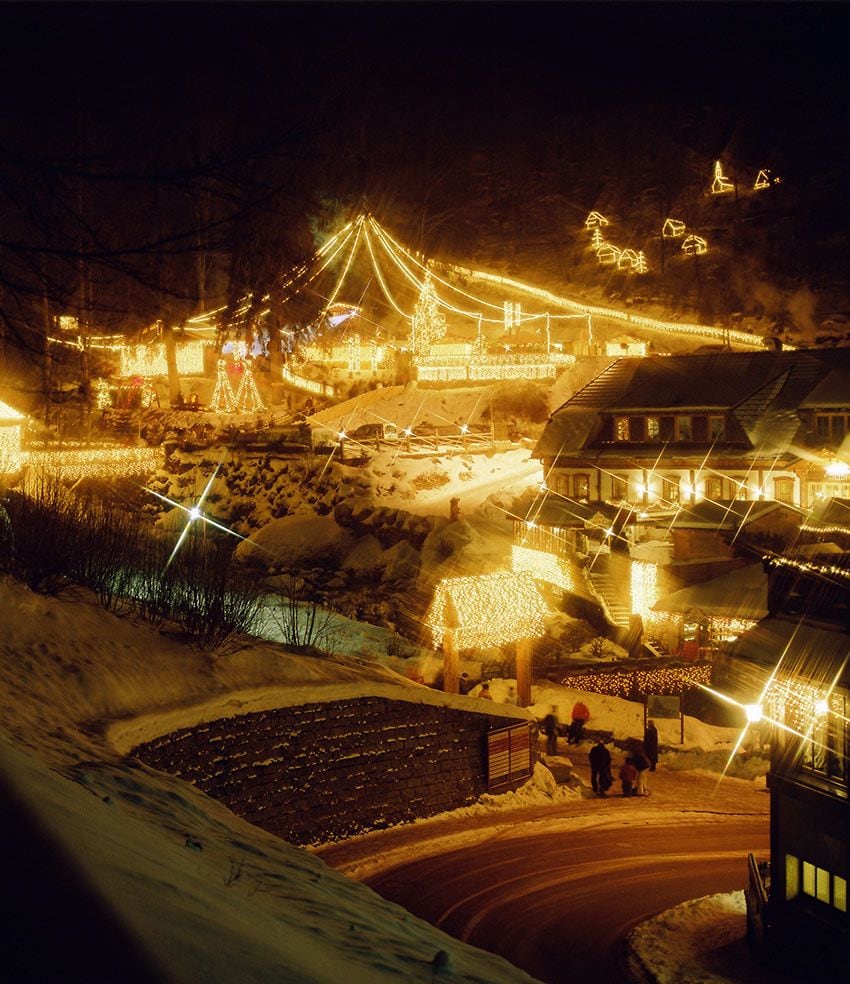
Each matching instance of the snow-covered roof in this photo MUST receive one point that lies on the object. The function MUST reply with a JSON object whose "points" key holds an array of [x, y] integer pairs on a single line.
{"points": [[739, 594], [488, 609]]}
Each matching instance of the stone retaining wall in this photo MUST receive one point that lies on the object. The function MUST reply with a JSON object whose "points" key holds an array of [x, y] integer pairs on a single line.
{"points": [[324, 771]]}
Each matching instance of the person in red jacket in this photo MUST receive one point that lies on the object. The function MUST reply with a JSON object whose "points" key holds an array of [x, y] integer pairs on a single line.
{"points": [[580, 717], [628, 776]]}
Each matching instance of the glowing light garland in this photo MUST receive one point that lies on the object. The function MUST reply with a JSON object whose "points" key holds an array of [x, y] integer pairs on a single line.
{"points": [[151, 360], [427, 325], [542, 566], [644, 582], [222, 400], [248, 399], [721, 184], [11, 429], [762, 180], [673, 229], [669, 680], [608, 255], [102, 397], [488, 610], [75, 462], [595, 221], [482, 368], [303, 383], [694, 246]]}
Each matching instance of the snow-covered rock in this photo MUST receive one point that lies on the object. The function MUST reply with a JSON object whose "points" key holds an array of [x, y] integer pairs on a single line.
{"points": [[293, 540]]}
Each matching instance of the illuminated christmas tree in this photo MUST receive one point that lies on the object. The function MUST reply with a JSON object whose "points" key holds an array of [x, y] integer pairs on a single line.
{"points": [[222, 399], [248, 396], [428, 323]]}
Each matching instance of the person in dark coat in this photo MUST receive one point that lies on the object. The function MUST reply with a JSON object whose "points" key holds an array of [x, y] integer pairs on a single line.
{"points": [[641, 763], [600, 768], [550, 729], [650, 744]]}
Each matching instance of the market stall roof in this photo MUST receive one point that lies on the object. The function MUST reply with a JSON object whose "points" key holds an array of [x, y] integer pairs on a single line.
{"points": [[9, 414], [829, 516], [561, 513], [726, 514], [488, 609], [804, 650], [740, 594]]}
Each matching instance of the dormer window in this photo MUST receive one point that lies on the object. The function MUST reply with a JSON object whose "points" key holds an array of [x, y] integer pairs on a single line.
{"points": [[621, 428], [653, 429], [715, 428], [683, 429]]}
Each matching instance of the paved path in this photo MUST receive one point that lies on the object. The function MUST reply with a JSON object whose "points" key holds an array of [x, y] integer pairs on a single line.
{"points": [[555, 888]]}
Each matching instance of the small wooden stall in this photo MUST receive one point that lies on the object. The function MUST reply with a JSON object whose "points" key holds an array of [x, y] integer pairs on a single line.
{"points": [[487, 610]]}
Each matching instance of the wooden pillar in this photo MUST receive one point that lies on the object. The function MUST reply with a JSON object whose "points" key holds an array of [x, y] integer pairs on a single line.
{"points": [[523, 672], [451, 669]]}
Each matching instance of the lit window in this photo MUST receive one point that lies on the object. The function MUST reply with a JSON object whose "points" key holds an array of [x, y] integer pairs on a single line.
{"points": [[715, 428], [808, 878], [653, 428], [839, 893], [582, 486], [683, 428], [714, 488], [822, 882], [619, 487], [783, 489], [792, 876], [670, 488], [621, 428]]}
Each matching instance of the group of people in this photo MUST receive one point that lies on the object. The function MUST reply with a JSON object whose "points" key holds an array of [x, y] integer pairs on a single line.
{"points": [[575, 733], [641, 759]]}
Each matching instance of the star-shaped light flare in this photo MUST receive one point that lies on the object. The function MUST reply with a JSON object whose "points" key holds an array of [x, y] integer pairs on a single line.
{"points": [[194, 513]]}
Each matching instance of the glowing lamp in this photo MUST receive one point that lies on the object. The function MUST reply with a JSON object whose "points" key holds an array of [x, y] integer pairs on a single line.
{"points": [[821, 707], [194, 513], [342, 435], [837, 469], [753, 712]]}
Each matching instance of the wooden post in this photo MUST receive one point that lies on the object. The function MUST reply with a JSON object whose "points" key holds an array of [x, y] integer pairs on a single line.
{"points": [[523, 672], [451, 668]]}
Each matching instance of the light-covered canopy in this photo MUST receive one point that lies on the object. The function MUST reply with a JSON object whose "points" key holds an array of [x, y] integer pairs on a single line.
{"points": [[487, 610]]}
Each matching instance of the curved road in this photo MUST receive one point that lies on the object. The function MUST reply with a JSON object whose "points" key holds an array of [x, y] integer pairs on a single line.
{"points": [[556, 888], [554, 903]]}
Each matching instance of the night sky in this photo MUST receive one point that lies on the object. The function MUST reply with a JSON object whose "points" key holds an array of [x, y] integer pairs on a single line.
{"points": [[273, 109]]}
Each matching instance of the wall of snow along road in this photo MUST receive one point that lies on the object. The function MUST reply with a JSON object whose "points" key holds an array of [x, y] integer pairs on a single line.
{"points": [[319, 772]]}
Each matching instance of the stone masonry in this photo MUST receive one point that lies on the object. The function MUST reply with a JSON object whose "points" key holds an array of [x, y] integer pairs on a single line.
{"points": [[325, 771]]}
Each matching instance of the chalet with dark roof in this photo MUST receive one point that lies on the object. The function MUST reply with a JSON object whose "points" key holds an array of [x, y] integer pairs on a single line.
{"points": [[795, 663], [666, 431]]}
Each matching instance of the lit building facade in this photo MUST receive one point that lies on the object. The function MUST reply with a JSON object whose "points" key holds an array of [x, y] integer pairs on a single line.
{"points": [[666, 432], [796, 660]]}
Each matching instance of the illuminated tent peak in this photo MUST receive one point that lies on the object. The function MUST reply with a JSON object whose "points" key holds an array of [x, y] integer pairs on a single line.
{"points": [[487, 610], [8, 413]]}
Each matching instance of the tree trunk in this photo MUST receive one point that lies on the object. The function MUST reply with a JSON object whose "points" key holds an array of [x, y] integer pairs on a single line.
{"points": [[171, 362]]}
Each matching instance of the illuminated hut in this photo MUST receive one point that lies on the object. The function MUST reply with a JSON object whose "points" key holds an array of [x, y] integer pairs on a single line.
{"points": [[487, 610], [11, 427]]}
